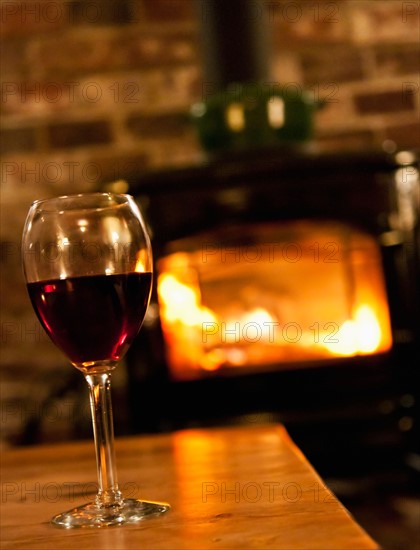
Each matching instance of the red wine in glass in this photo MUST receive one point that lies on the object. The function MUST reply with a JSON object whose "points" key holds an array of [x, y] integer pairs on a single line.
{"points": [[92, 318], [88, 266]]}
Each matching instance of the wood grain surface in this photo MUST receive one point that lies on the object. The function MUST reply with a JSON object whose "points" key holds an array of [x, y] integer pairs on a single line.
{"points": [[246, 487]]}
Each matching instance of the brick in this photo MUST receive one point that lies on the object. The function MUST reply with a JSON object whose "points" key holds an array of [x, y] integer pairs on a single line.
{"points": [[146, 50], [78, 134], [67, 170], [19, 139], [385, 102], [395, 21], [80, 172], [101, 93], [338, 109], [177, 87], [404, 135], [160, 126], [168, 10], [100, 12], [28, 17], [331, 65], [285, 67], [31, 97], [148, 90], [175, 152], [397, 59], [302, 22], [24, 18], [100, 49], [13, 59], [119, 165]]}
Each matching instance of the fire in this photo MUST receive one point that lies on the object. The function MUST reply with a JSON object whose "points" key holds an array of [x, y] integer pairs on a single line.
{"points": [[358, 336], [218, 312], [198, 338], [183, 316], [181, 304]]}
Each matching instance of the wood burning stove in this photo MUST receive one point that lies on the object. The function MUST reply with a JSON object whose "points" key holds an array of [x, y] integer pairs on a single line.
{"points": [[286, 288]]}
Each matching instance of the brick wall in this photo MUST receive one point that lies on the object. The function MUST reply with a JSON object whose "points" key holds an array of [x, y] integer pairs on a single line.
{"points": [[363, 57], [96, 91]]}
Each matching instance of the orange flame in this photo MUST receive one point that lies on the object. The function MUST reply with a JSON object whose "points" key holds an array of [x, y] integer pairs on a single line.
{"points": [[226, 314]]}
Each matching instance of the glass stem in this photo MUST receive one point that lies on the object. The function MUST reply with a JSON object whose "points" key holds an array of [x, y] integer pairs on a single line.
{"points": [[103, 432]]}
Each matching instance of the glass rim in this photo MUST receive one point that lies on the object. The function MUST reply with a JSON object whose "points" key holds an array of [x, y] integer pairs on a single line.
{"points": [[40, 203]]}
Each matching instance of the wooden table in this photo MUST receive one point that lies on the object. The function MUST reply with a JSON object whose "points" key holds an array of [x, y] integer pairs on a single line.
{"points": [[229, 488]]}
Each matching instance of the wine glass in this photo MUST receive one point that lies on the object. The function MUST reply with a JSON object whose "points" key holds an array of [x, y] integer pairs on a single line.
{"points": [[87, 261]]}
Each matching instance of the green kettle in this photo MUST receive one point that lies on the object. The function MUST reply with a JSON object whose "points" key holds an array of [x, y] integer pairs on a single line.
{"points": [[254, 115]]}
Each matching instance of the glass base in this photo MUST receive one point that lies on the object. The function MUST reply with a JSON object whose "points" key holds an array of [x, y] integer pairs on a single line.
{"points": [[92, 515]]}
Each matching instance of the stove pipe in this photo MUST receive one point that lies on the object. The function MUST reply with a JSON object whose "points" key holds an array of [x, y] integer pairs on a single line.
{"points": [[234, 42]]}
